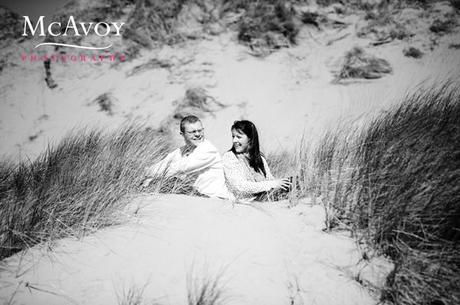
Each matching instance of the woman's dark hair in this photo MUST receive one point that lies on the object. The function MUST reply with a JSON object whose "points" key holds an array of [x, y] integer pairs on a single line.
{"points": [[255, 156]]}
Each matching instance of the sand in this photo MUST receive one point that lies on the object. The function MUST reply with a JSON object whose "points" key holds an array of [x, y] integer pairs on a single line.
{"points": [[262, 254]]}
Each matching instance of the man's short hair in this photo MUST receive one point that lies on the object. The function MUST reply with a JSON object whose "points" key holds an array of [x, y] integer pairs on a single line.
{"points": [[190, 119]]}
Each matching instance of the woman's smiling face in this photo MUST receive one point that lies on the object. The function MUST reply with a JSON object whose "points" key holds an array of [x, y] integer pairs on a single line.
{"points": [[241, 141]]}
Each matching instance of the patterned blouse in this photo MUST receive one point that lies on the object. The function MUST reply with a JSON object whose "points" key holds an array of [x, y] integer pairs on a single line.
{"points": [[242, 180]]}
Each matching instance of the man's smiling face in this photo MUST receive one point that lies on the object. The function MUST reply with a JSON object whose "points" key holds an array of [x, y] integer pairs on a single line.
{"points": [[193, 133]]}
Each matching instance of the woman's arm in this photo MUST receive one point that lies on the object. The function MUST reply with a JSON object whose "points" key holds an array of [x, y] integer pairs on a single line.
{"points": [[234, 174]]}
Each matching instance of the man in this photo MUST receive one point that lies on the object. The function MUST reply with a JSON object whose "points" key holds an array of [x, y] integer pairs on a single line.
{"points": [[198, 157]]}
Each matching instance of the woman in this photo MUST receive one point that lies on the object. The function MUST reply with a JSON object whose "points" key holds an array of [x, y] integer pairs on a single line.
{"points": [[246, 171]]}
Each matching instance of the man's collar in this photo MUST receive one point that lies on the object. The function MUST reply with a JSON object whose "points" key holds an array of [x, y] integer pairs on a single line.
{"points": [[187, 150]]}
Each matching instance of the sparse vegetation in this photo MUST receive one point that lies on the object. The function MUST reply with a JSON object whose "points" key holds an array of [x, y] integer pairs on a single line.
{"points": [[310, 18], [205, 289], [10, 25], [132, 295], [105, 103], [196, 102], [412, 52], [266, 25], [382, 25], [151, 64], [153, 21], [359, 64], [320, 20], [442, 26]]}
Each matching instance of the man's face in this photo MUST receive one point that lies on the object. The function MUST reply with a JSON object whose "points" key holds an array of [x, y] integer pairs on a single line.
{"points": [[193, 133]]}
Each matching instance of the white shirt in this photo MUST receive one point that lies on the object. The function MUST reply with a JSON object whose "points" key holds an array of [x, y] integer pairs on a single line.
{"points": [[204, 161]]}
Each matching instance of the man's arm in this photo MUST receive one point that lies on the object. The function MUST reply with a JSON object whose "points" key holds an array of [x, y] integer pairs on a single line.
{"points": [[203, 157], [162, 167]]}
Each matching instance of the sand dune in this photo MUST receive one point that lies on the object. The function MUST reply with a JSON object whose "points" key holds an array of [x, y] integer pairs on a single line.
{"points": [[287, 94], [261, 254]]}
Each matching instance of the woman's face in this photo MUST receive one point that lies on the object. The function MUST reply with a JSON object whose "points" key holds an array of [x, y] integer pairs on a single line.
{"points": [[240, 141]]}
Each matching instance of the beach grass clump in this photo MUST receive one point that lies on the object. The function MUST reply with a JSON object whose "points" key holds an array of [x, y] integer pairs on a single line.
{"points": [[105, 103], [360, 64], [333, 176], [153, 21], [265, 25], [409, 171], [412, 52], [396, 182], [382, 28], [442, 26], [75, 186], [197, 100]]}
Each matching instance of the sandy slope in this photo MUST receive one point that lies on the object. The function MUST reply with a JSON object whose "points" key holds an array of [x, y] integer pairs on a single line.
{"points": [[287, 94], [268, 254]]}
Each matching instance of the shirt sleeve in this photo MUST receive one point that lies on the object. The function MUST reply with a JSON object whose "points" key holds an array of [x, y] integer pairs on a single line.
{"points": [[203, 157], [235, 177], [163, 167]]}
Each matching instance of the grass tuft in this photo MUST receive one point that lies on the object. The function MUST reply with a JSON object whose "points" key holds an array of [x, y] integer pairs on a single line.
{"points": [[412, 52], [105, 102], [382, 25], [359, 64], [205, 290], [266, 25], [131, 296], [442, 26], [153, 21], [197, 102]]}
